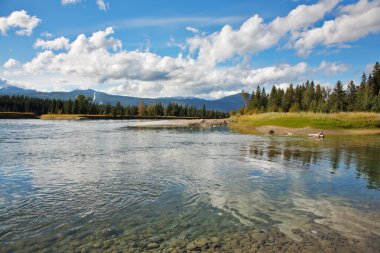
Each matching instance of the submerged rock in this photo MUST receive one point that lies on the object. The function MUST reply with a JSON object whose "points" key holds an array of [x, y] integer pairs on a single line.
{"points": [[153, 245], [155, 239], [191, 246], [201, 242]]}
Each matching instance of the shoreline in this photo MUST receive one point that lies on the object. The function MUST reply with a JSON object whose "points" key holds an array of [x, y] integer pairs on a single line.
{"points": [[106, 117], [309, 124], [246, 124], [305, 131], [201, 123], [18, 115]]}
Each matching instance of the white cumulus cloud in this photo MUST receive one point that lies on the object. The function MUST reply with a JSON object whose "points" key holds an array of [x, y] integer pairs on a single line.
{"points": [[10, 63], [332, 68], [254, 35], [56, 44], [356, 21], [20, 21], [100, 59]]}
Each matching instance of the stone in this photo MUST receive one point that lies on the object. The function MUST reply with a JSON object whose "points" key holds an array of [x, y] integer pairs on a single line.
{"points": [[107, 232], [191, 246], [259, 236], [201, 242], [215, 239], [153, 245], [155, 239]]}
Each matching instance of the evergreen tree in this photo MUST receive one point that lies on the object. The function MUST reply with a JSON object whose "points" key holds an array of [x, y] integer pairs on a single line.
{"points": [[352, 91], [338, 98]]}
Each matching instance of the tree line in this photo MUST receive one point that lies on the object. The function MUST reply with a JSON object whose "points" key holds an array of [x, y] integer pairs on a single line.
{"points": [[311, 97], [84, 105]]}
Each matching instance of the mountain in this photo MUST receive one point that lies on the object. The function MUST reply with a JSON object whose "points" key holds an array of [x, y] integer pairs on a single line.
{"points": [[226, 104]]}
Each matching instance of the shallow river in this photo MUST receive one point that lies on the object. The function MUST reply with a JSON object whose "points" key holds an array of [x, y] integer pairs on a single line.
{"points": [[87, 186]]}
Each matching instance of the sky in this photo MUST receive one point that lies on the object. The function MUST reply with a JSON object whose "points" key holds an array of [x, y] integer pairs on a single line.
{"points": [[163, 48]]}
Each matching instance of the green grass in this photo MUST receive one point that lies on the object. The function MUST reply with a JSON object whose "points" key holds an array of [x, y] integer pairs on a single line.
{"points": [[71, 116], [354, 120]]}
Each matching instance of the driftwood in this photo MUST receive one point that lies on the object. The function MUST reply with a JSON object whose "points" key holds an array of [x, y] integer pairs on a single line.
{"points": [[317, 135]]}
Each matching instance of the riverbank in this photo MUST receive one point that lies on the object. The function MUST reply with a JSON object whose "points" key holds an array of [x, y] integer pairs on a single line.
{"points": [[105, 117], [17, 115], [307, 123]]}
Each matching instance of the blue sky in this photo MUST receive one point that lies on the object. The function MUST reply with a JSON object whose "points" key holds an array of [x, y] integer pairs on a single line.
{"points": [[185, 48]]}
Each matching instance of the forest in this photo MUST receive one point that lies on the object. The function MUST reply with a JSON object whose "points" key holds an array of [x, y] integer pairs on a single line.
{"points": [[84, 105], [311, 97]]}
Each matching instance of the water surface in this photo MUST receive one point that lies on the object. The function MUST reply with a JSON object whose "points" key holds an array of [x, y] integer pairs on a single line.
{"points": [[100, 185]]}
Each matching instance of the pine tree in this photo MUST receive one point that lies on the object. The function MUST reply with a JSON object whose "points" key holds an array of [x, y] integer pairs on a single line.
{"points": [[338, 98], [352, 91]]}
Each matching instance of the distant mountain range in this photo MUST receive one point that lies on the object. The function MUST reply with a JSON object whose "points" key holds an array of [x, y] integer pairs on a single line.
{"points": [[226, 104]]}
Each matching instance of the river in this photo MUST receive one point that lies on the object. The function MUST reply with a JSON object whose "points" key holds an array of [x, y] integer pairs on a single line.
{"points": [[85, 186]]}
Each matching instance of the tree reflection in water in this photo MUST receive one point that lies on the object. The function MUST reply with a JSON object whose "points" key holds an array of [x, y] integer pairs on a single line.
{"points": [[360, 153]]}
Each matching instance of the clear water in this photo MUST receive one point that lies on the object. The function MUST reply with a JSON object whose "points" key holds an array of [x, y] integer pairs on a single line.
{"points": [[68, 185]]}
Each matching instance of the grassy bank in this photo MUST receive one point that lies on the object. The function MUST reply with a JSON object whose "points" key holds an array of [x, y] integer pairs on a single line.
{"points": [[72, 116], [321, 121], [17, 115]]}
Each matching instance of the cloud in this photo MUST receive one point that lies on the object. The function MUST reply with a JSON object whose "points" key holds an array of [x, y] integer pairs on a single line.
{"points": [[360, 7], [99, 59], [172, 43], [11, 63], [332, 68], [67, 2], [356, 21], [46, 35], [192, 29], [254, 35], [102, 5], [3, 83], [56, 44], [20, 21]]}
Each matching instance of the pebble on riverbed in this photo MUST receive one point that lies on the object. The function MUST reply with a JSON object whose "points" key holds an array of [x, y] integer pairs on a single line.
{"points": [[250, 240]]}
